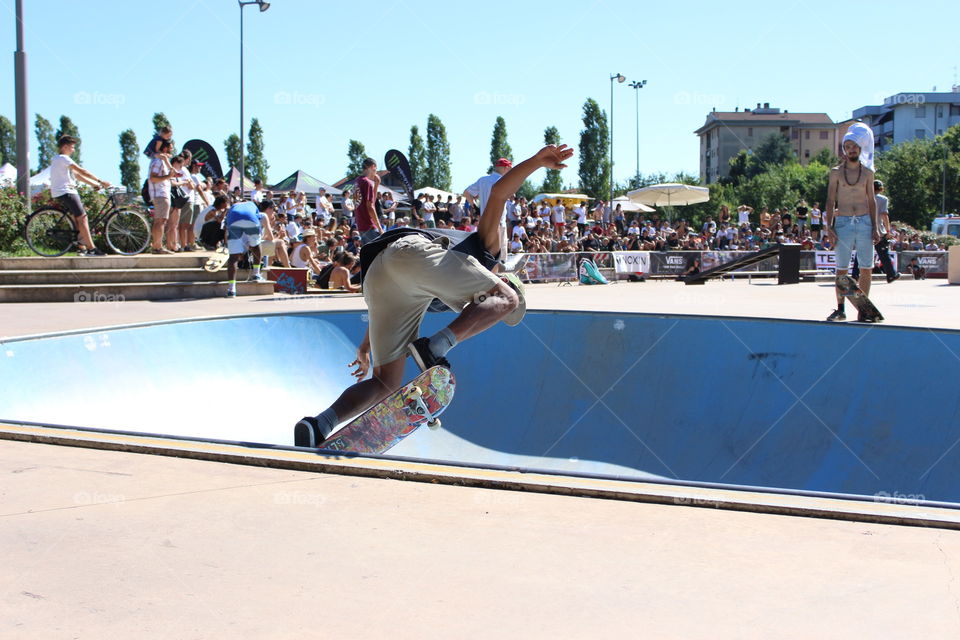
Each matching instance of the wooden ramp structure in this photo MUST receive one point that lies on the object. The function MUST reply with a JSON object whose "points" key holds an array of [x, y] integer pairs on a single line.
{"points": [[788, 267]]}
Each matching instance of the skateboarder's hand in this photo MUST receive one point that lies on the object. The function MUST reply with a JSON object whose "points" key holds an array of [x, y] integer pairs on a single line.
{"points": [[362, 363], [831, 235], [877, 236], [553, 156]]}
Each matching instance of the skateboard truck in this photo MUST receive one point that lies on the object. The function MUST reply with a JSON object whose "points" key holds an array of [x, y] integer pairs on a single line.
{"points": [[414, 401]]}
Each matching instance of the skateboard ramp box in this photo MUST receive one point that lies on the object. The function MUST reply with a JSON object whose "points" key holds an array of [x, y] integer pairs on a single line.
{"points": [[754, 402]]}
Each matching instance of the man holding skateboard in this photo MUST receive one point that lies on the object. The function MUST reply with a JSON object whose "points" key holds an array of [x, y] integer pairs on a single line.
{"points": [[403, 271], [851, 211]]}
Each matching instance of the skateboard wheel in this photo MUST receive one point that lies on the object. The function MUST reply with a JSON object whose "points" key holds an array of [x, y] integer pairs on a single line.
{"points": [[434, 424]]}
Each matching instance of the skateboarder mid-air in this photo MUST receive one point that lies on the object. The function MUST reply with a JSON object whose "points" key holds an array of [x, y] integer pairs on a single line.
{"points": [[851, 211], [402, 272]]}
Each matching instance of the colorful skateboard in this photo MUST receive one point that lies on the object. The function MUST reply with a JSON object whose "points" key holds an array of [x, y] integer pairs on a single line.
{"points": [[849, 289], [382, 426], [217, 260]]}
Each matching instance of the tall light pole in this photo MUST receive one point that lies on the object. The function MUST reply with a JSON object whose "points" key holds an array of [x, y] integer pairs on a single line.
{"points": [[619, 78], [23, 126], [263, 7], [636, 86]]}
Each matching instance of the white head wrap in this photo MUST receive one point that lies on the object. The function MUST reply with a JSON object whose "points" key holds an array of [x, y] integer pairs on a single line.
{"points": [[862, 135]]}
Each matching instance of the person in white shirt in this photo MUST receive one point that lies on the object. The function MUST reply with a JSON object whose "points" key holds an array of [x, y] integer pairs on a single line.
{"points": [[196, 188], [743, 214], [580, 212], [160, 175], [428, 211], [478, 193], [348, 206], [558, 216], [64, 173], [257, 194], [294, 228]]}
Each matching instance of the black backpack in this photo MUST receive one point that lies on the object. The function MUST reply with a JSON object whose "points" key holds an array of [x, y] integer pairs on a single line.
{"points": [[145, 192]]}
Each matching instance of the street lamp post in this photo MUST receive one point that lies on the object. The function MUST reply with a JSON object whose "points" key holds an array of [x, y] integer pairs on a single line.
{"points": [[636, 86], [619, 78], [23, 126], [263, 7]]}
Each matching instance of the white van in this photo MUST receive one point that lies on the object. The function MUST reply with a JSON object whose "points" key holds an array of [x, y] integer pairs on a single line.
{"points": [[947, 225]]}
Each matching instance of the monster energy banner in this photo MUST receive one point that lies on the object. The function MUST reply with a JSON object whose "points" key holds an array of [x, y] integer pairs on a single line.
{"points": [[203, 152]]}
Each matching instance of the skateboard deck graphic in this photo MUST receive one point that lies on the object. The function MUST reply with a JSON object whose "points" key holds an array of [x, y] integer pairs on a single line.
{"points": [[849, 289], [382, 426]]}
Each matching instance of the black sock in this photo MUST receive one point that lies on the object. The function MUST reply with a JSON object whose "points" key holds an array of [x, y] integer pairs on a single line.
{"points": [[840, 306]]}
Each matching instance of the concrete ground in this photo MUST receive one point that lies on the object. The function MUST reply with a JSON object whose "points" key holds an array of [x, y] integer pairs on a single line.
{"points": [[98, 544]]}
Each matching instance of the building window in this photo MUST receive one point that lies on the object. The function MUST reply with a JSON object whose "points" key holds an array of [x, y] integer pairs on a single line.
{"points": [[955, 110], [920, 111], [749, 132], [794, 134], [824, 135], [806, 135], [939, 112], [920, 134], [806, 153]]}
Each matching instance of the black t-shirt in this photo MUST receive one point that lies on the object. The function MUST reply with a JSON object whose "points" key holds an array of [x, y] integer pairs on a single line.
{"points": [[802, 213], [461, 241]]}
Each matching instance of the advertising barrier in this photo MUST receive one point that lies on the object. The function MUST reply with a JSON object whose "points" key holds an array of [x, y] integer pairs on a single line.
{"points": [[556, 267]]}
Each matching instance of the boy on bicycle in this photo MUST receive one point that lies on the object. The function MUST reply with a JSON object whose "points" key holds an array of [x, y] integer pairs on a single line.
{"points": [[64, 173]]}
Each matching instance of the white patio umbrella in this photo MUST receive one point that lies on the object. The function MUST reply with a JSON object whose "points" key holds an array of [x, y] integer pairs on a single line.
{"points": [[669, 194]]}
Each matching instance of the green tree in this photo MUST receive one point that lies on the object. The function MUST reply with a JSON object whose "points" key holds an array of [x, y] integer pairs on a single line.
{"points": [[8, 142], [438, 154], [356, 154], [417, 158], [912, 172], [46, 143], [67, 128], [129, 161], [552, 183], [255, 165], [774, 150], [825, 157], [594, 143], [499, 148], [527, 190], [160, 121], [232, 148]]}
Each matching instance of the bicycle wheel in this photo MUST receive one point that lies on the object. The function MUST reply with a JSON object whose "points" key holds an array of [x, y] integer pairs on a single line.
{"points": [[50, 232], [127, 232]]}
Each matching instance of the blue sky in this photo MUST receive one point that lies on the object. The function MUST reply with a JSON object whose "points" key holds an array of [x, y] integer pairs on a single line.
{"points": [[320, 73]]}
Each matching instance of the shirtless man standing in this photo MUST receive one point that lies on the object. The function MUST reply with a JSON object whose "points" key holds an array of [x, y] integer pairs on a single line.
{"points": [[851, 211]]}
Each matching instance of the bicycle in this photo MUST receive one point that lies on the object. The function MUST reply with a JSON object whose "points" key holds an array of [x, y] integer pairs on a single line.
{"points": [[50, 231]]}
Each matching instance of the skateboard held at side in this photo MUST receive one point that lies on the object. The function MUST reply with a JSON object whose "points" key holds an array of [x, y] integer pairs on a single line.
{"points": [[382, 426], [215, 262], [849, 289]]}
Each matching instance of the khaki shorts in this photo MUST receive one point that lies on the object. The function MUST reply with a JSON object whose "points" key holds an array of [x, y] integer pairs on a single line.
{"points": [[268, 248], [402, 281], [161, 208]]}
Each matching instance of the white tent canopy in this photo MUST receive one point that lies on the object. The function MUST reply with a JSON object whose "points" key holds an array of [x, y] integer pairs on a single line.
{"points": [[628, 205], [560, 196], [8, 175], [438, 194]]}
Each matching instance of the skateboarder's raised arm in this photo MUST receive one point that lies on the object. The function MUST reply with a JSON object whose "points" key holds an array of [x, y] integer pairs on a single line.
{"points": [[550, 157]]}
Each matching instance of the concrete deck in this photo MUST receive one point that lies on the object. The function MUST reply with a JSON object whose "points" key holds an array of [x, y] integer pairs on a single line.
{"points": [[97, 544]]}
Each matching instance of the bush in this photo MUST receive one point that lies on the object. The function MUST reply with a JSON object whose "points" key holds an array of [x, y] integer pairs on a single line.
{"points": [[13, 214]]}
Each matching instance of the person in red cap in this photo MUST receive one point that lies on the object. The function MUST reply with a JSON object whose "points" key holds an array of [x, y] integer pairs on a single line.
{"points": [[478, 194]]}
